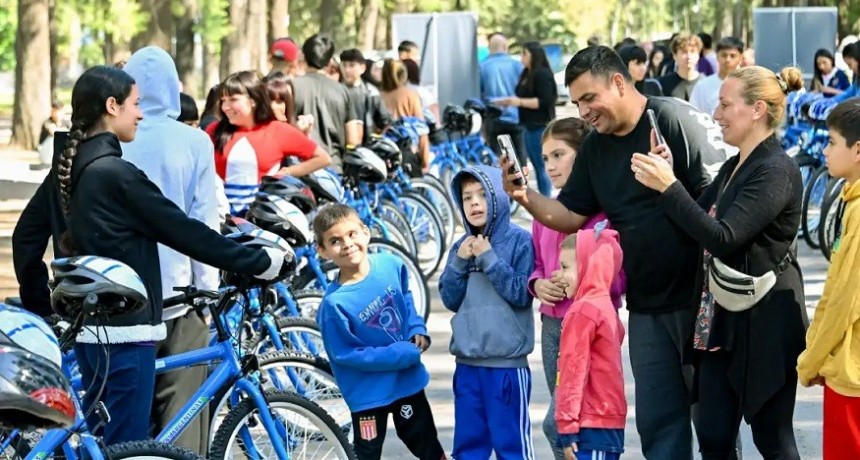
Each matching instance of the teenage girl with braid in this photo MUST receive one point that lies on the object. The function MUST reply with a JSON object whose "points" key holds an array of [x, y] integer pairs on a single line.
{"points": [[95, 203]]}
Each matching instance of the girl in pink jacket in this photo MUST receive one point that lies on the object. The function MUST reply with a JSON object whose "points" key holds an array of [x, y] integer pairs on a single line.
{"points": [[561, 141], [591, 409]]}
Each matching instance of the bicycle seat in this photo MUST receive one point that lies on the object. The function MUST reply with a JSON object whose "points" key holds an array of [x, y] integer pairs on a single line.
{"points": [[14, 301]]}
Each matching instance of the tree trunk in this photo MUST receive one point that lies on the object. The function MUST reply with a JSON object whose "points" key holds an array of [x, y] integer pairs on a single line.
{"points": [[75, 34], [32, 73], [235, 55], [186, 48], [329, 15], [258, 34], [115, 50], [382, 40], [159, 28], [738, 19], [279, 19], [54, 39], [211, 68], [367, 24]]}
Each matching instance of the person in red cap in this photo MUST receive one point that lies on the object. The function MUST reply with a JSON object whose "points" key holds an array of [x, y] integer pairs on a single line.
{"points": [[284, 56]]}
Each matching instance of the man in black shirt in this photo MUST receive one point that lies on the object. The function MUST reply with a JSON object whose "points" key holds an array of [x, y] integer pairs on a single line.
{"points": [[685, 51], [663, 265], [365, 97], [336, 124]]}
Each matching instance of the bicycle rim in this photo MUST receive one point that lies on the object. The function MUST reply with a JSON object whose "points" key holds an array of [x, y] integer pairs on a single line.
{"points": [[427, 227]]}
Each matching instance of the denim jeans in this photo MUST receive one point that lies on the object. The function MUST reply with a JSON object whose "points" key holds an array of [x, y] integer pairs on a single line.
{"points": [[532, 136], [128, 373]]}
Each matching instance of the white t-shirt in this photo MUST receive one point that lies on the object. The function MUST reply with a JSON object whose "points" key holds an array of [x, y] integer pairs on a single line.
{"points": [[706, 94]]}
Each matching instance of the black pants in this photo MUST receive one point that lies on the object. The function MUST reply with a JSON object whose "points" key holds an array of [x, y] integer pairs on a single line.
{"points": [[496, 127], [720, 414], [413, 421]]}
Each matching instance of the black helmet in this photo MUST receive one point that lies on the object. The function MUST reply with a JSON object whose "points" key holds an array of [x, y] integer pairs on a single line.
{"points": [[389, 152], [259, 239], [364, 165], [325, 184], [291, 189], [34, 393], [455, 118], [235, 224], [279, 216], [118, 286]]}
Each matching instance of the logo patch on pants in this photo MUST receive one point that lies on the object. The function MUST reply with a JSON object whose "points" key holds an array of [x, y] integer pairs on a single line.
{"points": [[367, 428], [406, 411]]}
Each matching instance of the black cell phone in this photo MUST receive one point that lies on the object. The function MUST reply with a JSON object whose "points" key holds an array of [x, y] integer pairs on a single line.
{"points": [[653, 119], [507, 147]]}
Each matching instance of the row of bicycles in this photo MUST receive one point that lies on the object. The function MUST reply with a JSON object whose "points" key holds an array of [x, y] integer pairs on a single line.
{"points": [[270, 391], [805, 138]]}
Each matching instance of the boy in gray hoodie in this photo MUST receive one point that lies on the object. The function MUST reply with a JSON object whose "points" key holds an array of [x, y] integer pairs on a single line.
{"points": [[484, 284]]}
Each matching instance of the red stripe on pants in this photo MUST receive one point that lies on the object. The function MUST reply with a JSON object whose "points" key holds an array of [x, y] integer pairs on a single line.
{"points": [[841, 426]]}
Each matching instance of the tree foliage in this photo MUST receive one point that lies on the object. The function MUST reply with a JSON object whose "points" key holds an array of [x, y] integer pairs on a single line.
{"points": [[8, 25]]}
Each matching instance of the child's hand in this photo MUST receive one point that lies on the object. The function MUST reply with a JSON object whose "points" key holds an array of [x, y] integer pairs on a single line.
{"points": [[570, 452], [548, 292], [420, 341], [481, 245], [465, 251]]}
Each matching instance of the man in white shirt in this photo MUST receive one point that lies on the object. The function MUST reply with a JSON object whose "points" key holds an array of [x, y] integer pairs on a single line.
{"points": [[706, 93]]}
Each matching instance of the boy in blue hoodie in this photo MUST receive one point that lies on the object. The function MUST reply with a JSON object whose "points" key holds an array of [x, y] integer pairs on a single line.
{"points": [[374, 339], [485, 285]]}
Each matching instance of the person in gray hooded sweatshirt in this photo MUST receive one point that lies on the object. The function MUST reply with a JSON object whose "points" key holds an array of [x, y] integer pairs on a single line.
{"points": [[493, 331], [180, 161]]}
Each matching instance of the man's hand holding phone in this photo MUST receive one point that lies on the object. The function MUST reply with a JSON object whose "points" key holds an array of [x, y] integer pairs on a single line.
{"points": [[514, 175]]}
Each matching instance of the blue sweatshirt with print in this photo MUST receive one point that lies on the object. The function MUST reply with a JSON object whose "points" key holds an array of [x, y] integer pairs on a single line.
{"points": [[366, 328], [493, 324]]}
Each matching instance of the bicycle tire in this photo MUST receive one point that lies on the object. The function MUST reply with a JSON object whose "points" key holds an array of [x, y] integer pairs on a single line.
{"points": [[397, 225], [286, 325], [245, 409], [446, 208], [830, 226], [429, 258], [148, 450], [309, 301], [810, 230]]}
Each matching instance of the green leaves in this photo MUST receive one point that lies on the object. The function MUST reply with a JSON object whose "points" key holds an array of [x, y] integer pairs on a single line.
{"points": [[8, 26]]}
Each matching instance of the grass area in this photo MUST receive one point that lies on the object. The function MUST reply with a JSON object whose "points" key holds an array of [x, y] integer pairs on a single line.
{"points": [[7, 101]]}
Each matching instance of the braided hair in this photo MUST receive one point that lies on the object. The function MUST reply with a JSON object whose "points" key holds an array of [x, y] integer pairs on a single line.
{"points": [[89, 106]]}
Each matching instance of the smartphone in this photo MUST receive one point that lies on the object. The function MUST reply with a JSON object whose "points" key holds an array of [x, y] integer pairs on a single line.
{"points": [[653, 119], [507, 147]]}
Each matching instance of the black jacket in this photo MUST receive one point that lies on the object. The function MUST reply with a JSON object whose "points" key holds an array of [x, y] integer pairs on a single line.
{"points": [[757, 218], [546, 92], [116, 212]]}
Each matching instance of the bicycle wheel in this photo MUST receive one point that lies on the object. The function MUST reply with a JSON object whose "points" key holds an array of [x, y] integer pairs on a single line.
{"points": [[427, 227], [242, 433], [831, 219], [417, 281], [309, 377], [396, 226], [441, 201], [813, 198], [148, 450], [300, 335]]}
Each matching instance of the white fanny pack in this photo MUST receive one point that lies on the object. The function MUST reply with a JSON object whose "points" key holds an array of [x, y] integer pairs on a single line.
{"points": [[736, 291]]}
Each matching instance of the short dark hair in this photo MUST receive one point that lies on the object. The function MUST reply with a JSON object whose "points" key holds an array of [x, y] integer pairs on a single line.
{"points": [[413, 71], [318, 50], [188, 108], [845, 120], [599, 60], [707, 40], [730, 43], [626, 41], [352, 55], [406, 46], [329, 216], [632, 53]]}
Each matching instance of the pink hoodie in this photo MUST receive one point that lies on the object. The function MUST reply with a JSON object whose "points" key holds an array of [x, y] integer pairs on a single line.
{"points": [[590, 392], [547, 242]]}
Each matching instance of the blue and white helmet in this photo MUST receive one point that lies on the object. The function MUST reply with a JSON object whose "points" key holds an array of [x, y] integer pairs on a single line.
{"points": [[281, 217], [29, 332], [326, 185], [259, 239], [114, 282]]}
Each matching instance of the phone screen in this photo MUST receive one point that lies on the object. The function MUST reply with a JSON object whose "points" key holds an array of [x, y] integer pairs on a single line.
{"points": [[507, 148]]}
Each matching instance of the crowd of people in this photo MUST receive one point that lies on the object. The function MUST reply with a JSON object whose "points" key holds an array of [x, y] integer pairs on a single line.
{"points": [[690, 220]]}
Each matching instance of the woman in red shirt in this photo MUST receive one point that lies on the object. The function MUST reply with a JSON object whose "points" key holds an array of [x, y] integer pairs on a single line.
{"points": [[251, 143]]}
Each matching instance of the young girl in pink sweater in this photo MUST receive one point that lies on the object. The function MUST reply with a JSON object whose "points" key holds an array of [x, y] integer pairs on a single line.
{"points": [[561, 141]]}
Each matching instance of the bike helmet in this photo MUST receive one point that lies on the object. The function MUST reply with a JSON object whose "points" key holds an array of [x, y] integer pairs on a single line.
{"points": [[279, 216], [30, 332], [390, 153], [364, 165], [234, 224], [259, 239], [291, 189], [119, 288], [325, 184], [455, 118], [34, 393]]}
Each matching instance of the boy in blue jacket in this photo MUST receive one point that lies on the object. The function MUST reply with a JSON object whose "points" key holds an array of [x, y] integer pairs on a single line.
{"points": [[374, 339], [484, 284]]}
